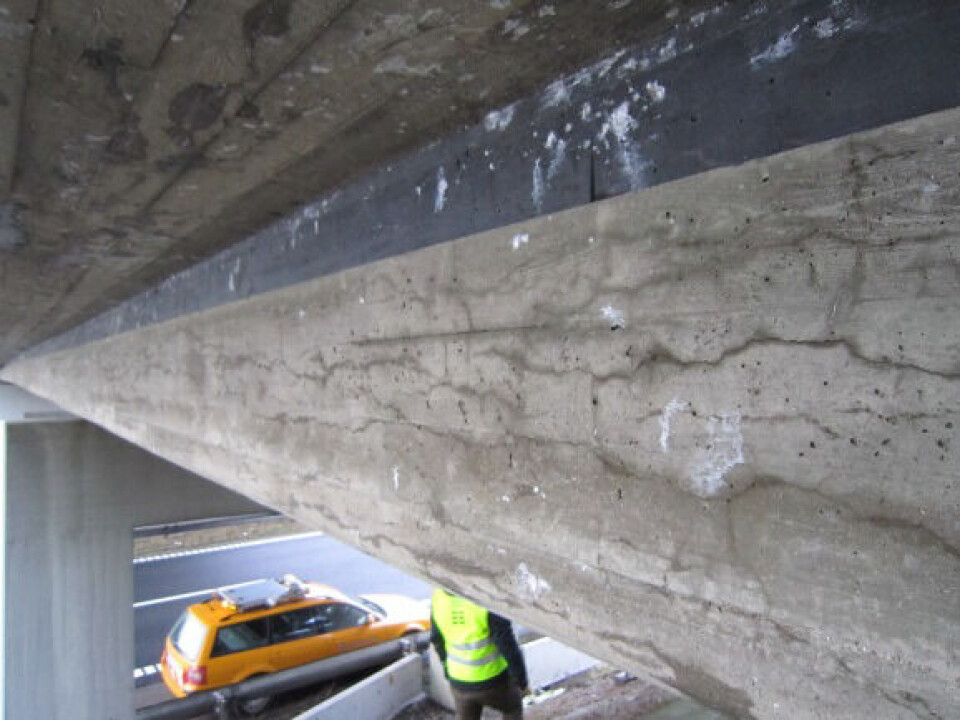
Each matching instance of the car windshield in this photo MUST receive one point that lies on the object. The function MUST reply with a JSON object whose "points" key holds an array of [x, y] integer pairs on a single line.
{"points": [[188, 636], [369, 605]]}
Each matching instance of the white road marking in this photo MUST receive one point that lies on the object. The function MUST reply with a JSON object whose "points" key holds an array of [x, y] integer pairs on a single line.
{"points": [[184, 596]]}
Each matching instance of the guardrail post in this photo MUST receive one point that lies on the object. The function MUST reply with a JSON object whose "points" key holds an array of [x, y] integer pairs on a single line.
{"points": [[223, 705]]}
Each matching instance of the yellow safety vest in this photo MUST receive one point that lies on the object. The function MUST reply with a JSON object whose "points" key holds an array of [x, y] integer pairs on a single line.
{"points": [[472, 656]]}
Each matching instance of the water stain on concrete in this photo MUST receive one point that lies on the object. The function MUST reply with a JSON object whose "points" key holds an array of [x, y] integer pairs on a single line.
{"points": [[128, 143], [11, 231], [107, 59], [269, 18], [197, 107]]}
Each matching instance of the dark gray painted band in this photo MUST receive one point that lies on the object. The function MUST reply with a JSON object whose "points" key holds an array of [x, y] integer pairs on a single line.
{"points": [[737, 83]]}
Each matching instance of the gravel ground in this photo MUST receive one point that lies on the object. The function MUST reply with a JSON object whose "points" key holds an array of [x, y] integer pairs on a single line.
{"points": [[600, 694]]}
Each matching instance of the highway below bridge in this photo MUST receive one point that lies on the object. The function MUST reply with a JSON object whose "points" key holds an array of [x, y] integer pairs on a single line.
{"points": [[165, 585]]}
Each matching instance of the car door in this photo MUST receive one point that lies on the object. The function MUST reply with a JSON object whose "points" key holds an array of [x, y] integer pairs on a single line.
{"points": [[298, 637], [238, 651], [348, 626]]}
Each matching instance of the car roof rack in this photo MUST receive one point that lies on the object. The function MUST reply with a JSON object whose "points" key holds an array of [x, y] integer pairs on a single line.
{"points": [[263, 593]]}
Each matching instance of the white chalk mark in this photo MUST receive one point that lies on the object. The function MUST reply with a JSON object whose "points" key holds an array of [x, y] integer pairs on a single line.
{"points": [[621, 124], [397, 65], [556, 94], [825, 28], [520, 239], [614, 316], [536, 193], [515, 29], [499, 119], [722, 453], [530, 586], [441, 197], [234, 275], [668, 51], [669, 411], [784, 46], [559, 147], [656, 91]]}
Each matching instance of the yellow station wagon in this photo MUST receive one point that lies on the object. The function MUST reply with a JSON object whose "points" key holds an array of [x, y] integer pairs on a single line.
{"points": [[271, 625]]}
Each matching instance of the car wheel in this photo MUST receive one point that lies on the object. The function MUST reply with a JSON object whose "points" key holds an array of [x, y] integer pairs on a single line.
{"points": [[253, 706]]}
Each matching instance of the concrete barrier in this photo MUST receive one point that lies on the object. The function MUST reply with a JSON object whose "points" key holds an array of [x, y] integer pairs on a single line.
{"points": [[380, 697], [384, 695]]}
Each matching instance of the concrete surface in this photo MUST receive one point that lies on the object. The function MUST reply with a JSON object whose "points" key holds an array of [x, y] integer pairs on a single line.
{"points": [[147, 137], [140, 137], [706, 431], [73, 495]]}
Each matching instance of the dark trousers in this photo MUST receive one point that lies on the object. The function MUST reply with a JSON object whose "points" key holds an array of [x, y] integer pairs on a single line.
{"points": [[504, 697]]}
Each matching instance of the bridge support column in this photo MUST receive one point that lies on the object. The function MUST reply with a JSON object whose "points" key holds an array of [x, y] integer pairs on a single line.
{"points": [[69, 580], [72, 495]]}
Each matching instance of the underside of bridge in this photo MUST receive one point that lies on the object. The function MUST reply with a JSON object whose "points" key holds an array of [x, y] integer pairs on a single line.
{"points": [[636, 321]]}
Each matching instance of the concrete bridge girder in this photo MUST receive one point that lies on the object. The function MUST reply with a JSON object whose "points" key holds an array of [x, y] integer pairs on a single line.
{"points": [[138, 138], [705, 431]]}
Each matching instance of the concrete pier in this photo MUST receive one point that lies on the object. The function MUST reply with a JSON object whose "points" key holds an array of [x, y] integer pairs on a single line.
{"points": [[73, 496]]}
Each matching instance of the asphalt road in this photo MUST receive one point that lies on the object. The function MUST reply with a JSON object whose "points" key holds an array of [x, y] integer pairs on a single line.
{"points": [[163, 588]]}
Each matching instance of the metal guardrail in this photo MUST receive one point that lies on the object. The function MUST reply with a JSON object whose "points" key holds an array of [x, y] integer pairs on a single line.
{"points": [[223, 700]]}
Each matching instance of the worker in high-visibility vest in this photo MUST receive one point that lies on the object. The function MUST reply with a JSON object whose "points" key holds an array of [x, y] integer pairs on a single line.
{"points": [[481, 657]]}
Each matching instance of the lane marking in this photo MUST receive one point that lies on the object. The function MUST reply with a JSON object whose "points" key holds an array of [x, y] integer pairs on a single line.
{"points": [[220, 548], [146, 671], [184, 596]]}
